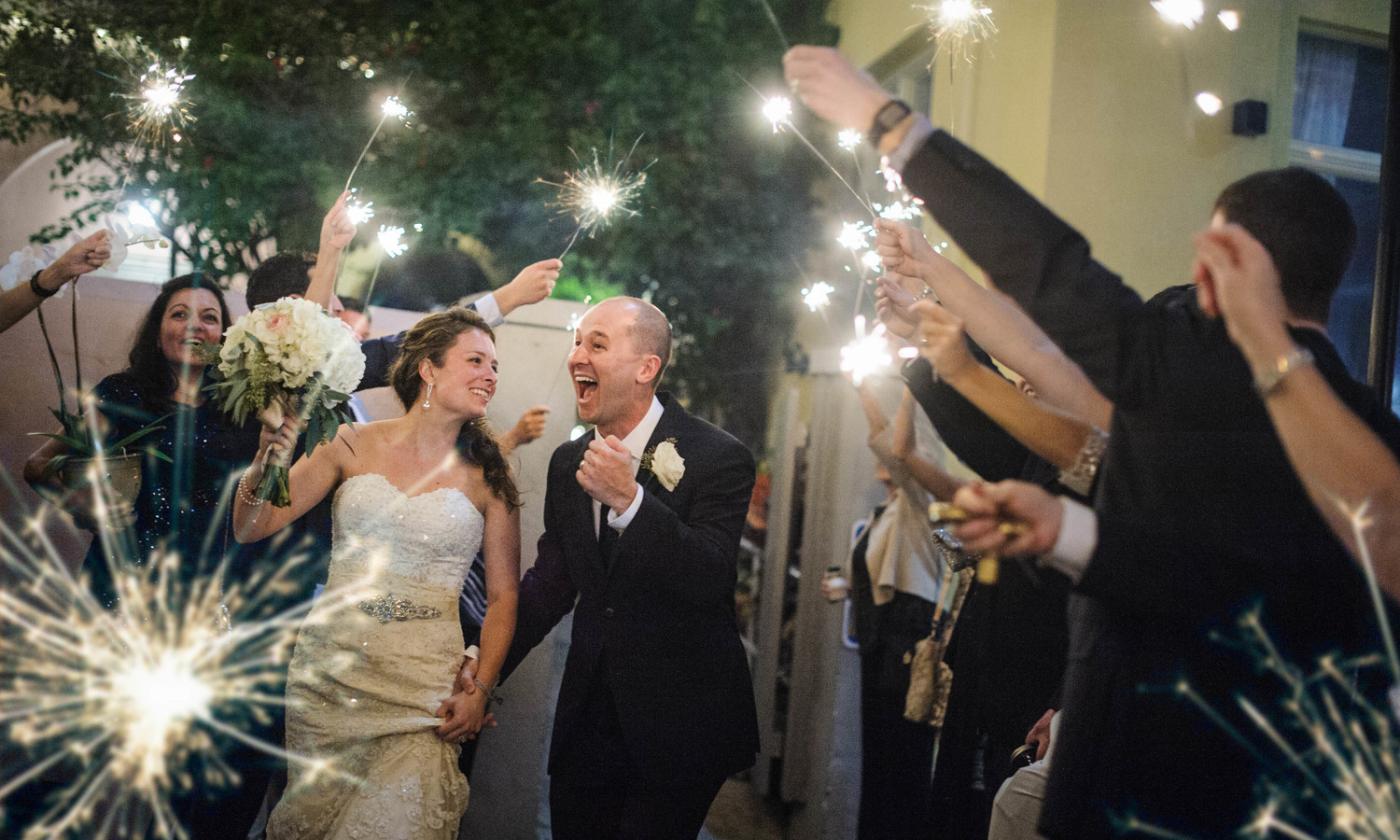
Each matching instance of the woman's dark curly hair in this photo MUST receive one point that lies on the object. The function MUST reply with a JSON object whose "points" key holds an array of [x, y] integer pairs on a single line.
{"points": [[146, 364], [430, 339]]}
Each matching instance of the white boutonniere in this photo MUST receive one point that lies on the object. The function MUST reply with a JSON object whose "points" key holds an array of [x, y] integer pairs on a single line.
{"points": [[664, 462]]}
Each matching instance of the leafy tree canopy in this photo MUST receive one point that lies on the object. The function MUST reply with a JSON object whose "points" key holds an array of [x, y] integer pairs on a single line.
{"points": [[285, 94]]}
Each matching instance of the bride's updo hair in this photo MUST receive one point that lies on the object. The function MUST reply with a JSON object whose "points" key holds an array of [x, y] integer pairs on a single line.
{"points": [[431, 338]]}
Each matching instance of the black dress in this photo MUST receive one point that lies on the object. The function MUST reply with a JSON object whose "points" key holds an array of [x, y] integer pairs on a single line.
{"points": [[178, 508]]}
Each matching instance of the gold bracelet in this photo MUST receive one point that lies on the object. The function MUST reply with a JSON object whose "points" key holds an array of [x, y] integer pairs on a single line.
{"points": [[245, 495]]}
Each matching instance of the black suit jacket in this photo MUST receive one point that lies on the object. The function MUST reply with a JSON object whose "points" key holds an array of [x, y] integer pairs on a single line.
{"points": [[1200, 517], [657, 626]]}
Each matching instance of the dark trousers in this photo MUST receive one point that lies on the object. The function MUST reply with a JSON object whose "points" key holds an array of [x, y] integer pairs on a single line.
{"points": [[582, 811], [896, 754]]}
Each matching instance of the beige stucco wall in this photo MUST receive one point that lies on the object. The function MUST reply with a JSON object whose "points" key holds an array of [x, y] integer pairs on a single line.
{"points": [[1090, 106]]}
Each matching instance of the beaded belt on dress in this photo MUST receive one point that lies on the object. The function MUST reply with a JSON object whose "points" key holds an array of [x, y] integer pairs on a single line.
{"points": [[389, 607]]}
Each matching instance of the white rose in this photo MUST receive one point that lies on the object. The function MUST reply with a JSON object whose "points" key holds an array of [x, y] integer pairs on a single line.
{"points": [[667, 464]]}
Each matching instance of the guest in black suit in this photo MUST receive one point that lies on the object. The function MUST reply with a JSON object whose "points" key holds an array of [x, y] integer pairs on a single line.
{"points": [[1199, 514], [656, 707]]}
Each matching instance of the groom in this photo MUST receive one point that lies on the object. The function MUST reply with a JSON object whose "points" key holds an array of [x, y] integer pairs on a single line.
{"points": [[642, 519]]}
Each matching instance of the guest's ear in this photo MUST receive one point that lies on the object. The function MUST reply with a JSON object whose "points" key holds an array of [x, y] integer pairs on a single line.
{"points": [[1205, 288]]}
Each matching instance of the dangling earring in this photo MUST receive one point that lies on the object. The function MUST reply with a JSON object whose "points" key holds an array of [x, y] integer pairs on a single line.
{"points": [[427, 400]]}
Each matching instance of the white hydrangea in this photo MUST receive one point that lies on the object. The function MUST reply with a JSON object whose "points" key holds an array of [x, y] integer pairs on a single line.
{"points": [[24, 262], [299, 339]]}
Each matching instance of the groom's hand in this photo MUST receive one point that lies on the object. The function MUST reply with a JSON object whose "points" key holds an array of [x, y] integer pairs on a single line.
{"points": [[606, 473]]}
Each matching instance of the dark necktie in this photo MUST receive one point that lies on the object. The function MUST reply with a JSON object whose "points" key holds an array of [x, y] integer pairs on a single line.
{"points": [[607, 537]]}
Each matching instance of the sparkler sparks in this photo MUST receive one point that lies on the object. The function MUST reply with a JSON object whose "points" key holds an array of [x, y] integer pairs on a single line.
{"points": [[595, 193], [391, 108], [394, 108], [849, 139], [855, 236], [778, 111], [959, 25], [120, 704], [818, 296], [867, 354], [158, 103], [359, 212], [391, 240]]}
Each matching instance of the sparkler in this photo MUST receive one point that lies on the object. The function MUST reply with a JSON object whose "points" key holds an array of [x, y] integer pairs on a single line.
{"points": [[391, 242], [818, 296], [594, 193], [849, 139], [158, 103], [773, 19], [1340, 770], [855, 236], [778, 111], [391, 108], [958, 25], [357, 212], [867, 354], [120, 703]]}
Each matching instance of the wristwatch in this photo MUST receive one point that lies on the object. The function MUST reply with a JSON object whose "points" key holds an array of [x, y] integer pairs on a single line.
{"points": [[891, 114], [38, 290], [1267, 380]]}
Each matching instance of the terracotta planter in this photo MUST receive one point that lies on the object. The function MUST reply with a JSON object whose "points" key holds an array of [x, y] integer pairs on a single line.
{"points": [[119, 478]]}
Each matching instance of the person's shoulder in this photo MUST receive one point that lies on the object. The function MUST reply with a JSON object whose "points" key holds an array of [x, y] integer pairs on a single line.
{"points": [[714, 442]]}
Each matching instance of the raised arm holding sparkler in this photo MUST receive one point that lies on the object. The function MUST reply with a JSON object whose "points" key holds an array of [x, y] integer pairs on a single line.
{"points": [[337, 231]]}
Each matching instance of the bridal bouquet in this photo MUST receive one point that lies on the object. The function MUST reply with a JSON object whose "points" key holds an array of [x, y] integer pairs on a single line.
{"points": [[289, 356]]}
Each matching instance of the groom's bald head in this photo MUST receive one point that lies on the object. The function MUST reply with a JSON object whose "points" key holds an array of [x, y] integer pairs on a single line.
{"points": [[650, 332]]}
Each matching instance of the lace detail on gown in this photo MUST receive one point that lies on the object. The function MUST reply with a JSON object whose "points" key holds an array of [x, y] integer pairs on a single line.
{"points": [[362, 685]]}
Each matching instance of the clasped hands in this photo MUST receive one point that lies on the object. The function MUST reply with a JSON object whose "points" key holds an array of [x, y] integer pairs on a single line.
{"points": [[464, 712]]}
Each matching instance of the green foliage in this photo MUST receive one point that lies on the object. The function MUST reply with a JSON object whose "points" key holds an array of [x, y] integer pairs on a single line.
{"points": [[80, 440], [501, 91]]}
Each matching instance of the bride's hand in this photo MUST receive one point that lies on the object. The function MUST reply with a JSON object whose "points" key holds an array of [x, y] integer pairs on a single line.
{"points": [[283, 437], [463, 716]]}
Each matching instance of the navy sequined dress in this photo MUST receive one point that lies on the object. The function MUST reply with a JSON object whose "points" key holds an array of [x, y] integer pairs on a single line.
{"points": [[178, 506]]}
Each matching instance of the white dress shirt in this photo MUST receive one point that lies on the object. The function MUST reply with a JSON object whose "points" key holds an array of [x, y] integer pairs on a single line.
{"points": [[489, 310], [1079, 536], [636, 443]]}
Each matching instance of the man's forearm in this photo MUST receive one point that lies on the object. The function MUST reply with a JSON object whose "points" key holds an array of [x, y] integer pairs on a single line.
{"points": [[1342, 464]]}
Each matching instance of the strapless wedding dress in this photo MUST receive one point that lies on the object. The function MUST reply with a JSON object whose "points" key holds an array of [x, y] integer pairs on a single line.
{"points": [[375, 658]]}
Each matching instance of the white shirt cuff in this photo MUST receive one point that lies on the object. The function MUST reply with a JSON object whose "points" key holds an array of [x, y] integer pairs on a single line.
{"points": [[1079, 536], [913, 139], [489, 309], [619, 521]]}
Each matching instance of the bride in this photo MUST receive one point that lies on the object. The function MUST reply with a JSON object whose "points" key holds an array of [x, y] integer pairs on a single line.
{"points": [[370, 689]]}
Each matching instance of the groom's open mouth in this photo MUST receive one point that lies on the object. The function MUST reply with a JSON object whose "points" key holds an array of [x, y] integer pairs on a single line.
{"points": [[584, 387]]}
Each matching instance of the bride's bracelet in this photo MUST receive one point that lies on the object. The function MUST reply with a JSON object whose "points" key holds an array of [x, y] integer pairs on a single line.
{"points": [[245, 495], [488, 690]]}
